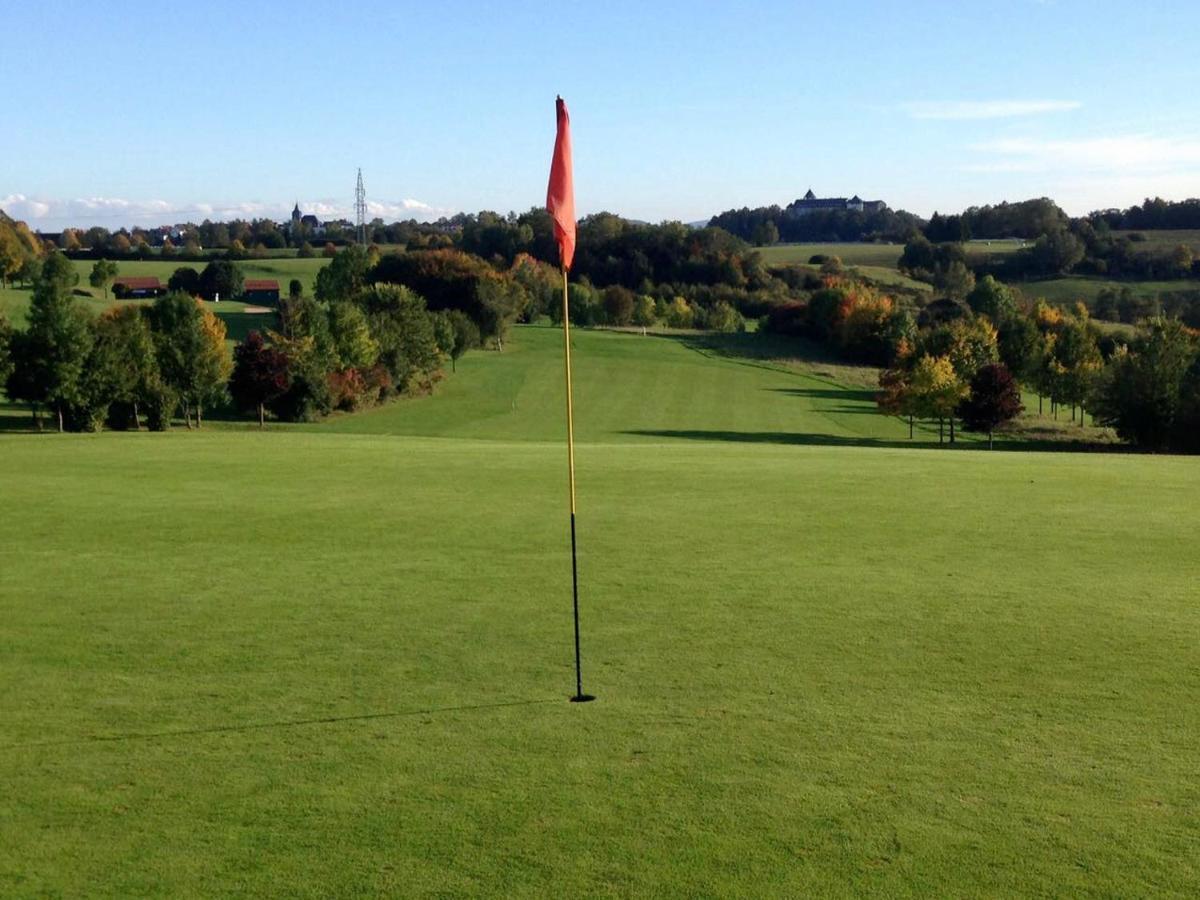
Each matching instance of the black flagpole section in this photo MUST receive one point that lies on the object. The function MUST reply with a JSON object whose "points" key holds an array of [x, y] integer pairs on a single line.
{"points": [[580, 696]]}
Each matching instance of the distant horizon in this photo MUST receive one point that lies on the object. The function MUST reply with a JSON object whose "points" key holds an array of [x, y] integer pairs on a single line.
{"points": [[148, 214]]}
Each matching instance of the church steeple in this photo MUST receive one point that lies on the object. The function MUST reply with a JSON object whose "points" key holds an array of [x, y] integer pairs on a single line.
{"points": [[296, 212]]}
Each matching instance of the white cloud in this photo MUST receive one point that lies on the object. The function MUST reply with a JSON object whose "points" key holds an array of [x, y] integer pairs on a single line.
{"points": [[1083, 174], [1119, 154], [114, 212], [963, 110]]}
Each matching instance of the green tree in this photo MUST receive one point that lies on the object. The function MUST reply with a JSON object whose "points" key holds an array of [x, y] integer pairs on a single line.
{"points": [[724, 318], [993, 299], [303, 317], [30, 269], [1140, 390], [185, 279], [122, 369], [465, 335], [221, 279], [1186, 432], [57, 340], [1056, 252], [344, 277], [618, 305], [351, 335], [644, 313], [102, 275], [403, 329], [6, 363], [190, 347], [954, 280], [765, 234], [1078, 357]]}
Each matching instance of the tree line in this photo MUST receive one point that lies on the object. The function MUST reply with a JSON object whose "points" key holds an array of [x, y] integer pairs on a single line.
{"points": [[766, 225], [141, 365], [968, 361]]}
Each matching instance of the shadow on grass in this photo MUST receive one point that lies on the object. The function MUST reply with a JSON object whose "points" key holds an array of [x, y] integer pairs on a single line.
{"points": [[284, 723], [800, 438], [17, 419], [843, 394], [239, 324]]}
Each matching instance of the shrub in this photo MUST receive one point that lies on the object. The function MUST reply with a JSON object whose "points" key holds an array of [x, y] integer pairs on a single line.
{"points": [[348, 389], [789, 318]]}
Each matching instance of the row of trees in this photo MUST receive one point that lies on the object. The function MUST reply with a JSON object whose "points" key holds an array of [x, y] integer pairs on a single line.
{"points": [[1151, 214], [1149, 391], [933, 356], [1027, 219], [142, 364], [766, 225], [128, 362], [951, 269]]}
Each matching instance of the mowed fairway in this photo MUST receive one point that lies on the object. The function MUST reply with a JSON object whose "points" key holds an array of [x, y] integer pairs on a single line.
{"points": [[632, 387], [317, 663]]}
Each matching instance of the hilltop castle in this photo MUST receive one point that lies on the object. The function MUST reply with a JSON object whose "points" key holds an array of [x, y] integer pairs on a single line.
{"points": [[810, 202]]}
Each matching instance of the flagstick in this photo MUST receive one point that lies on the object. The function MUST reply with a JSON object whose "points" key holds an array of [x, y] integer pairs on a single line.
{"points": [[580, 696]]}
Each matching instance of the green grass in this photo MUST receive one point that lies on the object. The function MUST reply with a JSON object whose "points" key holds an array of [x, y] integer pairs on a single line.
{"points": [[1164, 239], [635, 388], [878, 256], [1074, 288], [629, 387], [316, 663], [881, 255], [14, 301]]}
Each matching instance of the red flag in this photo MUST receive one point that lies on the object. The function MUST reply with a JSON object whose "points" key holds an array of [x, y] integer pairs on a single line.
{"points": [[560, 195]]}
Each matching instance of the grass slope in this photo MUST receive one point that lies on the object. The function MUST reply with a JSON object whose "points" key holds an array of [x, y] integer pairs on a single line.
{"points": [[1074, 288], [315, 664], [632, 387]]}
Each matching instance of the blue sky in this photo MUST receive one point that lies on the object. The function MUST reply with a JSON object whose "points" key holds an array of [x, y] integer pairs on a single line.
{"points": [[679, 110]]}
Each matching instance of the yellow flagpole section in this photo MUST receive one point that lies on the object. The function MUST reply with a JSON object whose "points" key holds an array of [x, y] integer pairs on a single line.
{"points": [[570, 407]]}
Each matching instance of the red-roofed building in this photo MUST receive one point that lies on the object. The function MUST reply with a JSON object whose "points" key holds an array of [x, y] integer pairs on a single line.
{"points": [[129, 287], [260, 290]]}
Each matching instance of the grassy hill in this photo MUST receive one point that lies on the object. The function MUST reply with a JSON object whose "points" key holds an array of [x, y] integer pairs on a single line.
{"points": [[630, 387], [879, 263], [314, 662]]}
